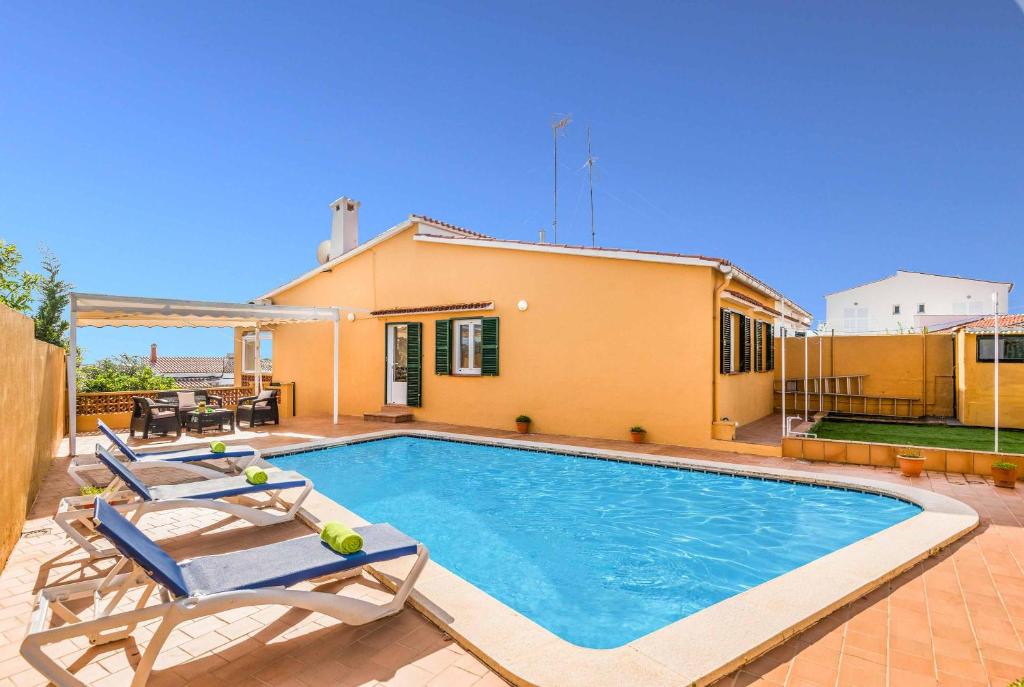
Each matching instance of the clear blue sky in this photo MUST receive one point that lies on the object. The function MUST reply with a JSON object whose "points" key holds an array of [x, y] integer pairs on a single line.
{"points": [[190, 149]]}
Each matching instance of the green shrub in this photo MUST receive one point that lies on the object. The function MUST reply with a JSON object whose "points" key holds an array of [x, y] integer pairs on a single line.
{"points": [[638, 429], [121, 373], [1005, 465], [523, 418]]}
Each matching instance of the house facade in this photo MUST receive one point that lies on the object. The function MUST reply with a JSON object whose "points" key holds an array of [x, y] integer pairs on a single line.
{"points": [[911, 301], [474, 330], [975, 374]]}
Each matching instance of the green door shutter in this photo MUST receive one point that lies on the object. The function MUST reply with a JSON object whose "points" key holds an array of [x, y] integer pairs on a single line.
{"points": [[758, 346], [745, 323], [442, 347], [414, 383], [489, 339], [725, 341], [770, 344]]}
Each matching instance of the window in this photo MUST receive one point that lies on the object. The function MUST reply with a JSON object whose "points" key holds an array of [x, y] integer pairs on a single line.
{"points": [[855, 319], [1011, 349], [920, 308], [468, 347], [249, 351], [895, 310]]}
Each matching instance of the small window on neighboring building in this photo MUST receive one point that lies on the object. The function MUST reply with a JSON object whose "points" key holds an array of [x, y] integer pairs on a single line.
{"points": [[1011, 349], [468, 347], [920, 308], [895, 310]]}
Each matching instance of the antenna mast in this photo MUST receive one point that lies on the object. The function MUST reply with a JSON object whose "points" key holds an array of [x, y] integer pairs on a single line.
{"points": [[590, 174], [557, 127]]}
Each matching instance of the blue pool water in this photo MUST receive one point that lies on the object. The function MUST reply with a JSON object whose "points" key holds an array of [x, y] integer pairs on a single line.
{"points": [[598, 552]]}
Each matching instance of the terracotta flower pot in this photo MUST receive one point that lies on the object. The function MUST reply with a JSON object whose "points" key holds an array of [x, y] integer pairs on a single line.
{"points": [[638, 437], [1004, 477], [911, 466], [523, 427]]}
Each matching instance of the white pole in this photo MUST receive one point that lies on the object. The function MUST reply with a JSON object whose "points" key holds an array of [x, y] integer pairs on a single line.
{"points": [[995, 358], [821, 374], [258, 364], [782, 353], [72, 357], [806, 378], [336, 371]]}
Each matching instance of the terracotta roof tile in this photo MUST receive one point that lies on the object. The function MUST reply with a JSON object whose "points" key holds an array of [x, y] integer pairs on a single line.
{"points": [[183, 364], [448, 225], [989, 323], [475, 305]]}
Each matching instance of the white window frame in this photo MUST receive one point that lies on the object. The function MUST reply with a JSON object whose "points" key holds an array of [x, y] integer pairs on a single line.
{"points": [[247, 365], [458, 367]]}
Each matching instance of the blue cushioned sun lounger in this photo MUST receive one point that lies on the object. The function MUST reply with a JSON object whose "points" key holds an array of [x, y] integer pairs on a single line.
{"points": [[133, 496], [238, 457], [206, 585]]}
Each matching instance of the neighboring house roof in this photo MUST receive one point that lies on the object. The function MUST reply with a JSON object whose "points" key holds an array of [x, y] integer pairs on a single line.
{"points": [[753, 301], [927, 274], [986, 325], [180, 364], [462, 236], [454, 307]]}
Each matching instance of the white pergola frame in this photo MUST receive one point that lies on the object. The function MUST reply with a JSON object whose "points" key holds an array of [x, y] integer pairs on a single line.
{"points": [[99, 310]]}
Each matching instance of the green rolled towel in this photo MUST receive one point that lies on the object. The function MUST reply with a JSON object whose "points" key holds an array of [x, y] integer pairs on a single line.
{"points": [[255, 475], [218, 447], [341, 538]]}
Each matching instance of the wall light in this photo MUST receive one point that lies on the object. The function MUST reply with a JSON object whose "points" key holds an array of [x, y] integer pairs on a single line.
{"points": [[522, 305], [351, 317]]}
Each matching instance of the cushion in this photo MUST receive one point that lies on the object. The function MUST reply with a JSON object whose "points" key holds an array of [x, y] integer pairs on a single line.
{"points": [[186, 399], [266, 395], [164, 412]]}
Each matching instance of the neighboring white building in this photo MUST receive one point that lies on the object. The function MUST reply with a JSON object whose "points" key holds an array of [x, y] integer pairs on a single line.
{"points": [[910, 301]]}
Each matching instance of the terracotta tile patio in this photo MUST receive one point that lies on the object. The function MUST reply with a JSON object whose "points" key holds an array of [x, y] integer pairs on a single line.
{"points": [[956, 619]]}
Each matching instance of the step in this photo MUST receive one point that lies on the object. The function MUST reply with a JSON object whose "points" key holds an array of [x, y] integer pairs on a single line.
{"points": [[389, 414]]}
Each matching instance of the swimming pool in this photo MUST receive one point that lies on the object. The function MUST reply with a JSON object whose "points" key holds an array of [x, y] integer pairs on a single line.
{"points": [[598, 552]]}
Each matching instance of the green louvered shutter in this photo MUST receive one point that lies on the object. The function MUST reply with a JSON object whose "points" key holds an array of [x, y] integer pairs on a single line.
{"points": [[725, 341], [758, 346], [489, 339], [442, 347], [770, 343], [414, 380], [744, 343]]}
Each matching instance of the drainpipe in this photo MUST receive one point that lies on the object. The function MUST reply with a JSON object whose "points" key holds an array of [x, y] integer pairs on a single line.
{"points": [[715, 334]]}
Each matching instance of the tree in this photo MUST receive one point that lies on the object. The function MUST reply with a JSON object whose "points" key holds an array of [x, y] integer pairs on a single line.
{"points": [[16, 287], [54, 296], [121, 373]]}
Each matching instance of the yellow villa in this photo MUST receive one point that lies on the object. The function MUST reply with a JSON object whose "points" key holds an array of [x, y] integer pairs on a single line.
{"points": [[457, 326]]}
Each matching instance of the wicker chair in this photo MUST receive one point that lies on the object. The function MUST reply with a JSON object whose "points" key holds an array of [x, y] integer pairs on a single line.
{"points": [[198, 396], [257, 410], [153, 416]]}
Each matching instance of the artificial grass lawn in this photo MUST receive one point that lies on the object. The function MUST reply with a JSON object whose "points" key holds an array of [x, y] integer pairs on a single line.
{"points": [[967, 438]]}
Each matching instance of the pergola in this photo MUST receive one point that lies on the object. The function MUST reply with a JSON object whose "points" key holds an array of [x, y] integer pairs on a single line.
{"points": [[97, 310]]}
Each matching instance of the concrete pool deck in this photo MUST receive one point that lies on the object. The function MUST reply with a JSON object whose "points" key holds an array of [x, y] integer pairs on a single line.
{"points": [[953, 619]]}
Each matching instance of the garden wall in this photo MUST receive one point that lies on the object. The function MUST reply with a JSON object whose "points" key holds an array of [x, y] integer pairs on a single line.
{"points": [[884, 455], [32, 412], [916, 366]]}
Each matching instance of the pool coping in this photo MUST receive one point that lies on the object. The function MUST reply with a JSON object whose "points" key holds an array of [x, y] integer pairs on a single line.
{"points": [[697, 649]]}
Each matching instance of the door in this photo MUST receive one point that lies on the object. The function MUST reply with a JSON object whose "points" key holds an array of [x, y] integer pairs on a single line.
{"points": [[397, 364]]}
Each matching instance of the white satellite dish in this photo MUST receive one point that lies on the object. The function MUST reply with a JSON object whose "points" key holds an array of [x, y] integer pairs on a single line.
{"points": [[323, 251]]}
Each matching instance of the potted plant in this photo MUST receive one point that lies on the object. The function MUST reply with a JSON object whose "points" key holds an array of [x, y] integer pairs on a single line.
{"points": [[638, 434], [523, 424], [911, 462], [1004, 474]]}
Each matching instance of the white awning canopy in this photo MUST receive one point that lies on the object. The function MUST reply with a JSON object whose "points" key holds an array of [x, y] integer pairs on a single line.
{"points": [[99, 310]]}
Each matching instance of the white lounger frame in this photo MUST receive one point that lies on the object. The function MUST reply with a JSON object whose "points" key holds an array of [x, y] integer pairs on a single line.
{"points": [[107, 626], [78, 510], [82, 464]]}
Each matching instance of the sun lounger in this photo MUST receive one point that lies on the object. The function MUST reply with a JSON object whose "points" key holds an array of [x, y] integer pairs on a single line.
{"points": [[237, 458], [131, 496], [203, 586]]}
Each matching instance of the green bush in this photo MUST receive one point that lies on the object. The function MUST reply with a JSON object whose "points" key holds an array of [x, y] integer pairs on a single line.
{"points": [[121, 373], [1005, 465], [523, 418], [638, 429]]}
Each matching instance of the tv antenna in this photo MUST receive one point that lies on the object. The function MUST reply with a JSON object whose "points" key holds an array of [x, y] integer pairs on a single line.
{"points": [[556, 129], [590, 175]]}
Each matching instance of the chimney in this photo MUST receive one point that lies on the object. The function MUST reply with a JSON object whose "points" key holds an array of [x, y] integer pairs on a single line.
{"points": [[152, 354], [344, 226]]}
